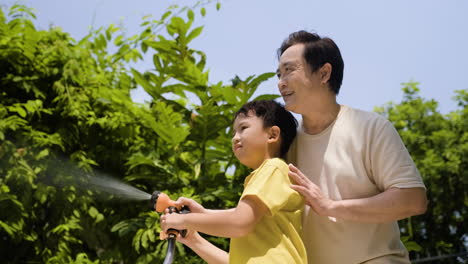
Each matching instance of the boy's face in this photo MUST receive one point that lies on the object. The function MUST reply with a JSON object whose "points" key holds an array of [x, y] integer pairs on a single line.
{"points": [[250, 140]]}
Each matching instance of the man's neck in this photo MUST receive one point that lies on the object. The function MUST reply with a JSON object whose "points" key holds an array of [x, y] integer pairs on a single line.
{"points": [[318, 119]]}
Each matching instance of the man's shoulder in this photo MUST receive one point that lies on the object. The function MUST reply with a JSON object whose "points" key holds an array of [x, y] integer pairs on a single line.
{"points": [[359, 113], [363, 117]]}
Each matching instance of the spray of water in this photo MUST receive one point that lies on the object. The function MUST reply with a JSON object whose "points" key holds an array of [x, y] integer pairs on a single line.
{"points": [[118, 188], [67, 173]]}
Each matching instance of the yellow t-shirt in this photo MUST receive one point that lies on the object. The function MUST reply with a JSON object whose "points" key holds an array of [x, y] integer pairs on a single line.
{"points": [[277, 237]]}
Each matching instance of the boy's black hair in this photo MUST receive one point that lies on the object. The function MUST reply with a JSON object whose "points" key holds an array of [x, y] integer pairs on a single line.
{"points": [[273, 114]]}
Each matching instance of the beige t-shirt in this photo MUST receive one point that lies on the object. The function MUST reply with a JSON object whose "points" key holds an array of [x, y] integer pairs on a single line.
{"points": [[357, 156]]}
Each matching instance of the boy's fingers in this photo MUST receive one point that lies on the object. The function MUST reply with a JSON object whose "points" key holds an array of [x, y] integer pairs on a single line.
{"points": [[183, 201]]}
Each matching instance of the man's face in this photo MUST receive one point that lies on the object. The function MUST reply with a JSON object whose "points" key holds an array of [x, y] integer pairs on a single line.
{"points": [[297, 85], [250, 140]]}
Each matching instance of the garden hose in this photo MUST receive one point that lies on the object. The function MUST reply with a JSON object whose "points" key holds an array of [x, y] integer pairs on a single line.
{"points": [[160, 202], [170, 249]]}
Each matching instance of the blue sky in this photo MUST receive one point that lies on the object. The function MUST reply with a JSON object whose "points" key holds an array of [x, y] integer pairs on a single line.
{"points": [[383, 43]]}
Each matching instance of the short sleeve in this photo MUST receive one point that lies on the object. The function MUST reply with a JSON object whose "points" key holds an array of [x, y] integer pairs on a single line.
{"points": [[392, 165], [272, 186]]}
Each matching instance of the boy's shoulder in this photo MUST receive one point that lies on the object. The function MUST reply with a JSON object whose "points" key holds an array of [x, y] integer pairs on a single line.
{"points": [[274, 166], [277, 163]]}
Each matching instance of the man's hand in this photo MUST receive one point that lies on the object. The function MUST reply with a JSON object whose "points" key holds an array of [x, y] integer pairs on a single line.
{"points": [[389, 205], [312, 194]]}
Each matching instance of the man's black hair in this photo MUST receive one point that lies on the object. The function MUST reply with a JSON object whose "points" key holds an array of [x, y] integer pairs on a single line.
{"points": [[317, 52], [273, 114]]}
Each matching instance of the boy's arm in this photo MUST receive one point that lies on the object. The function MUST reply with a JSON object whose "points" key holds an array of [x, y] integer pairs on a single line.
{"points": [[235, 222], [196, 207], [203, 248]]}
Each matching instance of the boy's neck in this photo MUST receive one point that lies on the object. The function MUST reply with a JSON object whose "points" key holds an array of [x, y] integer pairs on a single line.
{"points": [[268, 155]]}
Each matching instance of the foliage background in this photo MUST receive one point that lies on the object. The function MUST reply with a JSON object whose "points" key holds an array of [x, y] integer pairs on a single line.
{"points": [[66, 112]]}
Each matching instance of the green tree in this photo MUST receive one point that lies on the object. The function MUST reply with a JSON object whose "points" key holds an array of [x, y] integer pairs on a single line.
{"points": [[438, 144], [65, 102]]}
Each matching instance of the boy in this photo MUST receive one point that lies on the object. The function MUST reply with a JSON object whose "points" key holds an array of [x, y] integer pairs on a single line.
{"points": [[265, 227]]}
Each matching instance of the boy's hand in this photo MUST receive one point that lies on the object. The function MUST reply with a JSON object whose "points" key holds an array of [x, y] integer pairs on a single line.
{"points": [[191, 204], [190, 238], [175, 221]]}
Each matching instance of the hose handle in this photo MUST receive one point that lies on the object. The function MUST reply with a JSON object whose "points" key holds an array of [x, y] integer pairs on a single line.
{"points": [[159, 202]]}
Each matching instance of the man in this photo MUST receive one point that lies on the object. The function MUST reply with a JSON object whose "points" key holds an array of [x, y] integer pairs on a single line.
{"points": [[355, 174]]}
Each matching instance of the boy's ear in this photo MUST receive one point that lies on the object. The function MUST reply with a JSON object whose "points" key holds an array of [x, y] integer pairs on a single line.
{"points": [[274, 134]]}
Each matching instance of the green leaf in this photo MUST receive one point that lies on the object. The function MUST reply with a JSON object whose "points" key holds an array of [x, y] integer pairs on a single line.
{"points": [[44, 153], [166, 15], [137, 240], [10, 231], [190, 15], [99, 218], [169, 125], [18, 109], [93, 212], [194, 33], [119, 226], [266, 97], [144, 47], [261, 78], [144, 239], [140, 79]]}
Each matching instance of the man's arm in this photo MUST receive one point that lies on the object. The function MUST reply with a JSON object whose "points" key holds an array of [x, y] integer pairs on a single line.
{"points": [[391, 205], [235, 222]]}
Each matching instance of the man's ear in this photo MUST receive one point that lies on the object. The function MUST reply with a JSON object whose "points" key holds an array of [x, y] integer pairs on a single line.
{"points": [[274, 134], [325, 73]]}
